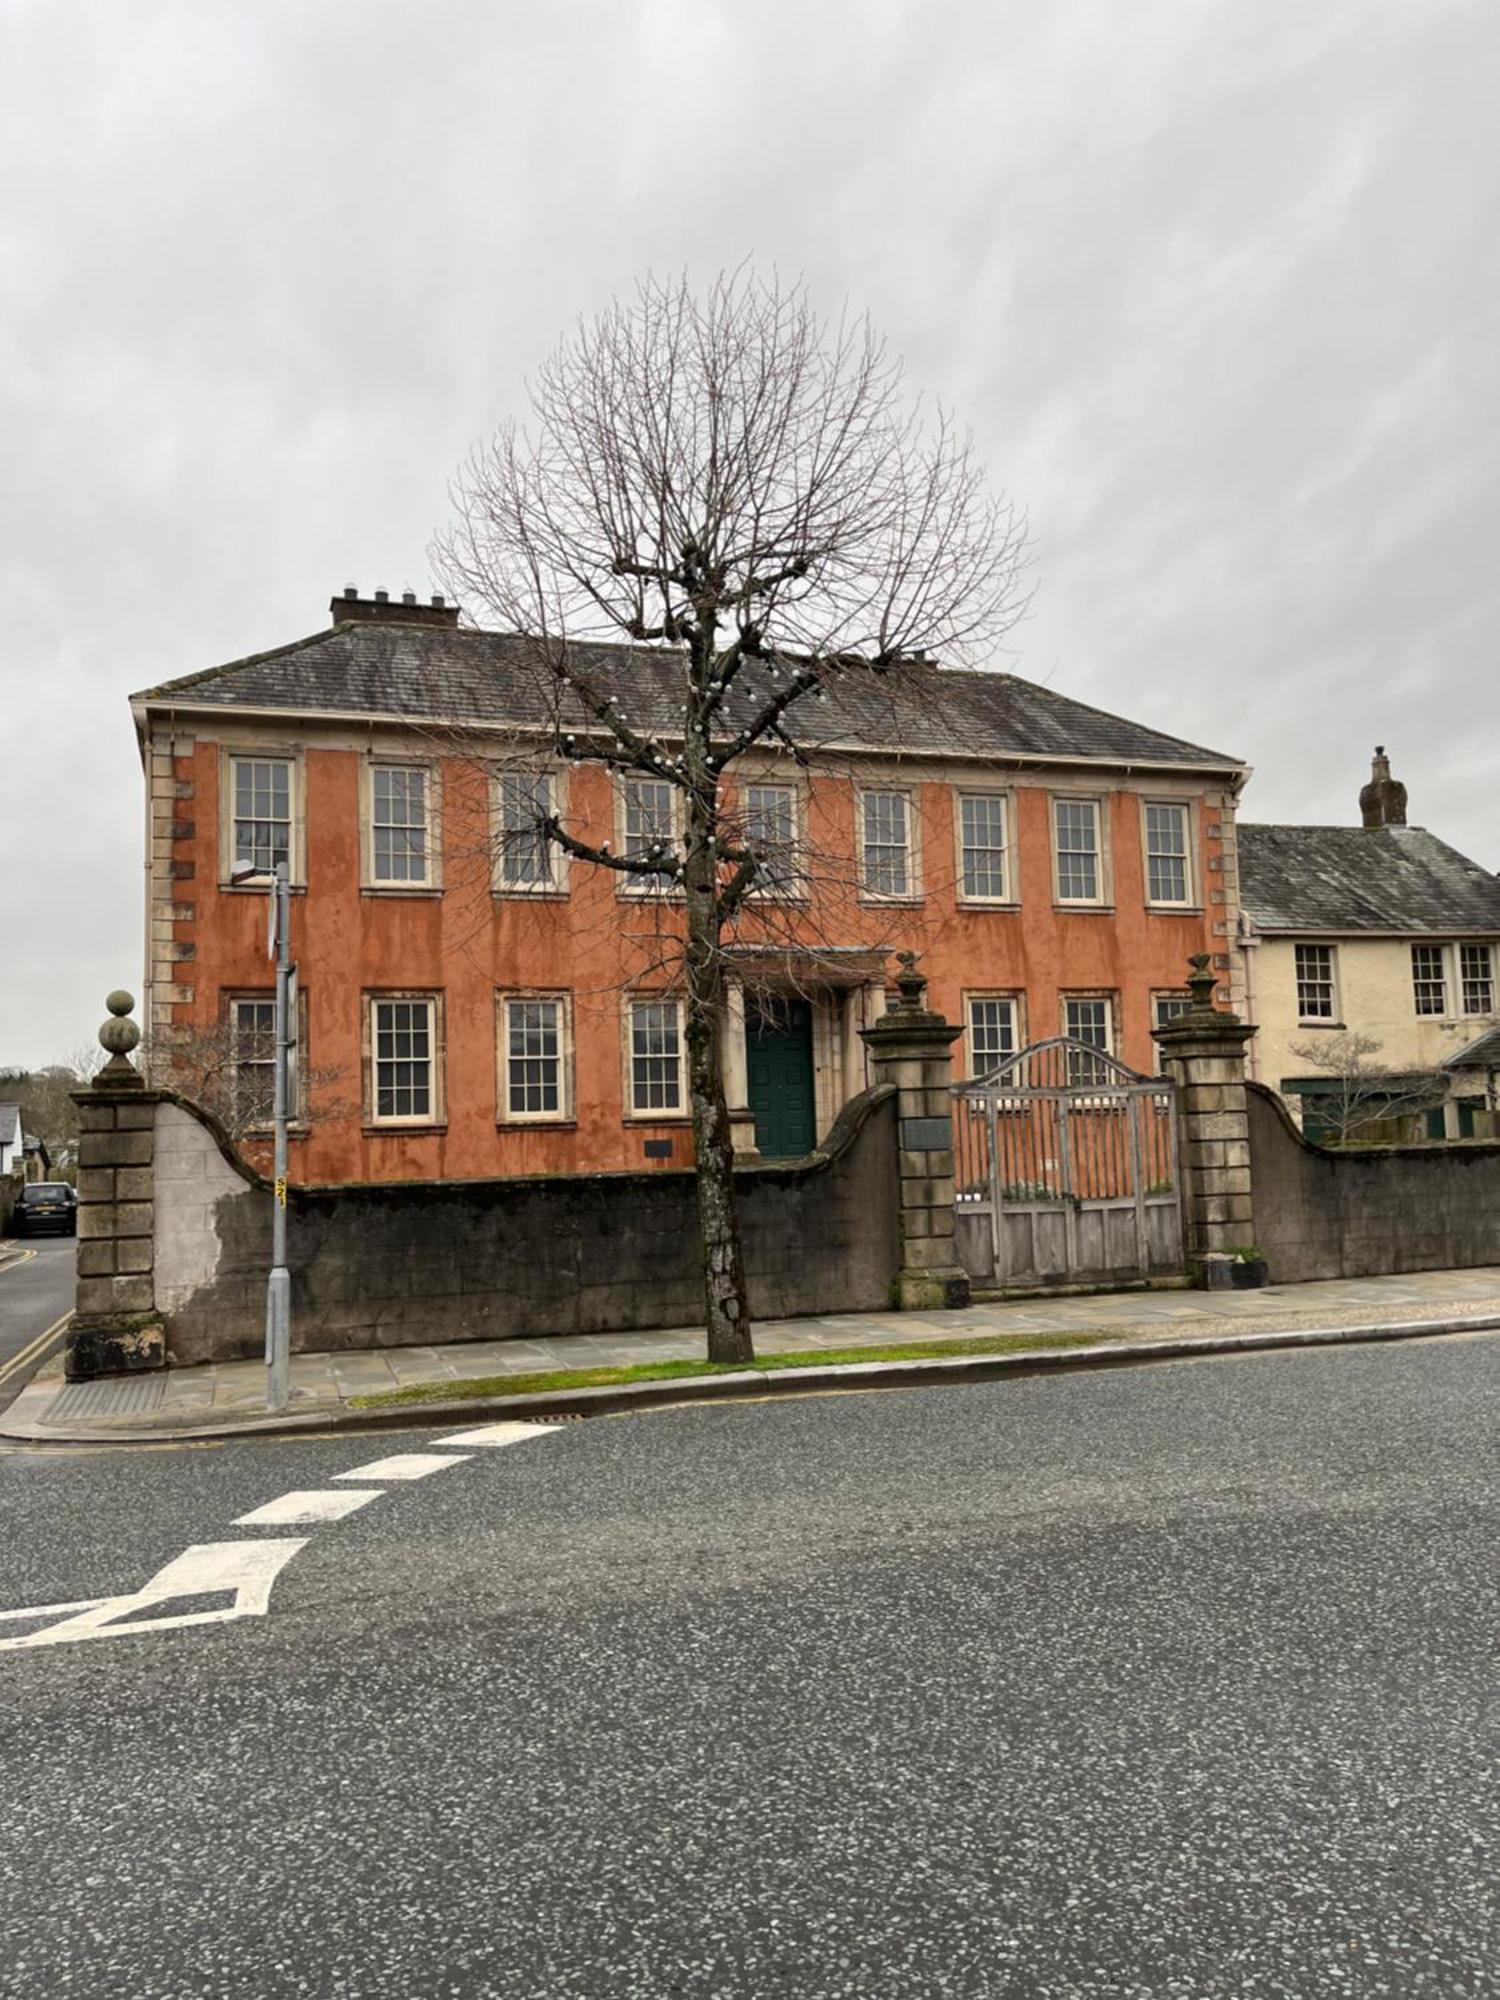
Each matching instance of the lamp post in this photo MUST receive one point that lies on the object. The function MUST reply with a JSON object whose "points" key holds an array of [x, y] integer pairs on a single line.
{"points": [[279, 1284]]}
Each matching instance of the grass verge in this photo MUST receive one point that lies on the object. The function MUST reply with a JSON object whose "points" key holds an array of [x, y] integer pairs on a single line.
{"points": [[548, 1381]]}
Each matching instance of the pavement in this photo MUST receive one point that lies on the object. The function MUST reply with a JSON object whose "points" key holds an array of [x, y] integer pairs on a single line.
{"points": [[1151, 1684], [225, 1398]]}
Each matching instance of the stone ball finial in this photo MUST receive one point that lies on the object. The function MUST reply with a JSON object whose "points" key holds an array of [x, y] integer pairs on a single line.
{"points": [[119, 1034]]}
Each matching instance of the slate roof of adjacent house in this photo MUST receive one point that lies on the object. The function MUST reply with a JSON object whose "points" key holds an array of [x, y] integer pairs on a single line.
{"points": [[1482, 1054], [458, 674], [1385, 880], [10, 1124]]}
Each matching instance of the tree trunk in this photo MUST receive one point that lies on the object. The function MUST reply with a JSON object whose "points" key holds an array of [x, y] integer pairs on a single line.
{"points": [[725, 1306]]}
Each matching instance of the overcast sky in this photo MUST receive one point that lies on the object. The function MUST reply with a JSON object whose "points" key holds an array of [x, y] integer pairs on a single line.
{"points": [[1214, 281]]}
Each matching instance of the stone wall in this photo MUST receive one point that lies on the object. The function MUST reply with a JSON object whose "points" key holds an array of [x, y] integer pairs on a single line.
{"points": [[412, 1262], [1359, 1212]]}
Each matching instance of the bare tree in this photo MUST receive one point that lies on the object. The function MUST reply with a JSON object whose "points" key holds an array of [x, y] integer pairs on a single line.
{"points": [[229, 1071], [730, 479], [1364, 1093]]}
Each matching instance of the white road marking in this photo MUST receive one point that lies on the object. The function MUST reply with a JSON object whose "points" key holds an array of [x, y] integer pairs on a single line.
{"points": [[205, 1570], [292, 1510], [406, 1465], [507, 1433]]}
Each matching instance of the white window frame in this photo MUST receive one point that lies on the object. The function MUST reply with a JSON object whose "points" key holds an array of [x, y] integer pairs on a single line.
{"points": [[231, 1000], [643, 885], [506, 1114], [1011, 1000], [1188, 899], [1007, 893], [1305, 1019], [794, 883], [912, 891], [1465, 980], [1100, 898], [1076, 1062], [436, 1112], [1180, 999], [554, 878], [654, 1114], [401, 885], [232, 755], [1439, 954]]}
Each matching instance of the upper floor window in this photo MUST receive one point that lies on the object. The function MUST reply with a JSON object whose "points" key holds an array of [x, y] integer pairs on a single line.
{"points": [[1429, 978], [982, 856], [527, 860], [885, 843], [771, 834], [1076, 826], [399, 849], [1166, 853], [655, 1057], [1476, 977], [992, 1031], [649, 829], [405, 1083], [534, 1056], [1315, 995], [262, 828]]}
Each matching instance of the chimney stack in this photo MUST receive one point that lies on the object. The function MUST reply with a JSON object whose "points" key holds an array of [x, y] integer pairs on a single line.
{"points": [[1382, 802], [349, 607]]}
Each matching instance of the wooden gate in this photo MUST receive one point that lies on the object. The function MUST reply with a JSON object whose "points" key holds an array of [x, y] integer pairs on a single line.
{"points": [[1065, 1164]]}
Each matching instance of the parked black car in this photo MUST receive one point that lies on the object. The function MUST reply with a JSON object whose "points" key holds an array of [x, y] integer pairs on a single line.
{"points": [[45, 1205]]}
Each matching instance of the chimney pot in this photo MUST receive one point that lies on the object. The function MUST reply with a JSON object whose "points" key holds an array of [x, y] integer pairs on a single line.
{"points": [[382, 597], [437, 602], [408, 597], [351, 590]]}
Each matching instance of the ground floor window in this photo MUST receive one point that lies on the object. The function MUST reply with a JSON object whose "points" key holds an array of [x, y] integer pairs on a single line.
{"points": [[1088, 1017], [656, 1056], [992, 1031], [404, 1068], [534, 1039]]}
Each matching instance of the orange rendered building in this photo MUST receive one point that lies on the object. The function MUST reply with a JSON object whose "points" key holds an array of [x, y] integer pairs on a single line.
{"points": [[473, 1004]]}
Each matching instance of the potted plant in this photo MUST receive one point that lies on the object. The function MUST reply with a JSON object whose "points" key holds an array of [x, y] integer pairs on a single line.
{"points": [[1248, 1270]]}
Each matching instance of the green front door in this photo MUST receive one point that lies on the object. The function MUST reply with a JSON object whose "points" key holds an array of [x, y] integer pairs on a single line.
{"points": [[778, 1050]]}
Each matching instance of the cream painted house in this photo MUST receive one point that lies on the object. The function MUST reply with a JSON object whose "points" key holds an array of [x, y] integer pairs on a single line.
{"points": [[1371, 968]]}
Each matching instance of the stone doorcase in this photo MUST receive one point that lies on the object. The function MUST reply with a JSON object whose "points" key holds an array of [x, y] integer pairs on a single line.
{"points": [[844, 1002]]}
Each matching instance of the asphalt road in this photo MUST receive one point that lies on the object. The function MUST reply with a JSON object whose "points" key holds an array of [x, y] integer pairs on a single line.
{"points": [[35, 1292], [1175, 1681]]}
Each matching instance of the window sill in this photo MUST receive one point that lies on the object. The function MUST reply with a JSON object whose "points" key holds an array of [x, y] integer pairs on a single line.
{"points": [[673, 1118], [1083, 909], [987, 902], [402, 892], [1174, 909], [1322, 1023], [872, 901], [536, 1124], [418, 1129], [261, 886], [515, 893]]}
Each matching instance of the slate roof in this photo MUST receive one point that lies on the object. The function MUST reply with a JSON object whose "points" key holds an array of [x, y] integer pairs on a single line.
{"points": [[456, 674], [1384, 880], [1483, 1054], [10, 1124]]}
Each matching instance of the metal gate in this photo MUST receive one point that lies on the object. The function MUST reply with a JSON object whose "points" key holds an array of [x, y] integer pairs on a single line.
{"points": [[1065, 1164]]}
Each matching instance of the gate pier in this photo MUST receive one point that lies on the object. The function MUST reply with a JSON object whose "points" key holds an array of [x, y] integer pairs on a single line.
{"points": [[1203, 1051]]}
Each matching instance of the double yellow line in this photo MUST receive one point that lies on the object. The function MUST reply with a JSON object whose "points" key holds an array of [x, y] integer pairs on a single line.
{"points": [[34, 1349]]}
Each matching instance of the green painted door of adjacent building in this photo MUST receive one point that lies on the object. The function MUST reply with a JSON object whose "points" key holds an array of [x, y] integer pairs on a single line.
{"points": [[778, 1051]]}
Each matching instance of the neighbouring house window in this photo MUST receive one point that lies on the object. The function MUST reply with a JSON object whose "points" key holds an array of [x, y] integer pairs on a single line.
{"points": [[405, 1064], [398, 823], [1077, 827], [252, 1028], [262, 812], [534, 1031], [1166, 854], [771, 832], [1476, 973], [1086, 1018], [886, 842], [982, 843], [528, 859], [992, 1031], [1315, 982], [649, 827], [1429, 978], [655, 1056], [1170, 1006]]}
